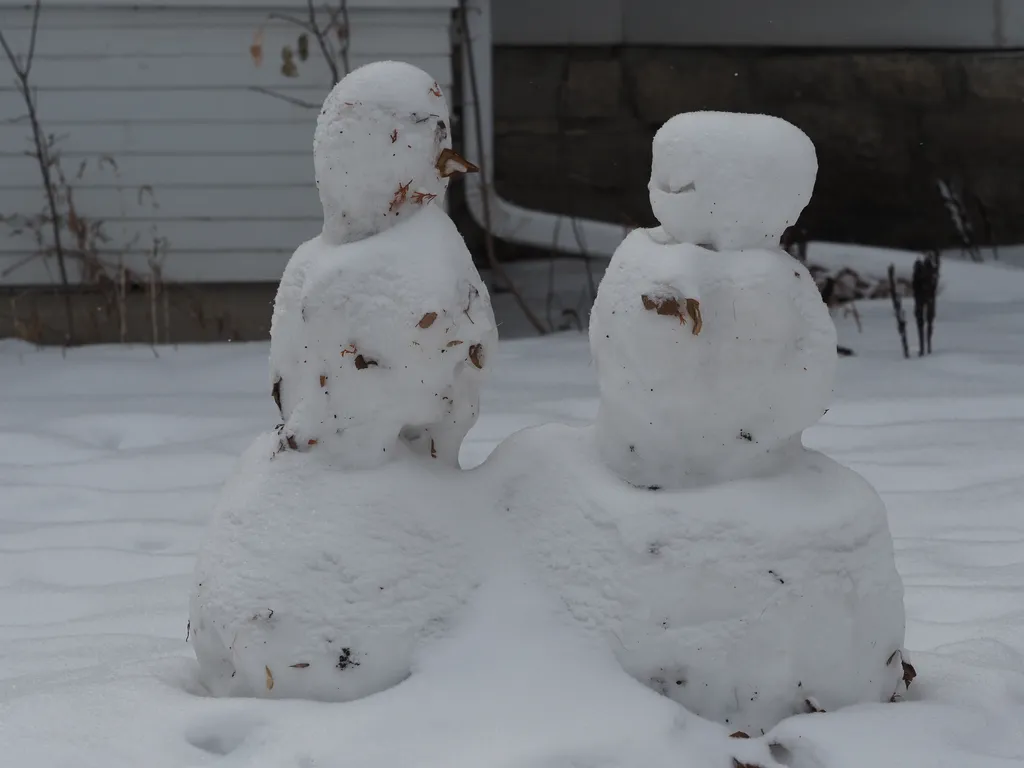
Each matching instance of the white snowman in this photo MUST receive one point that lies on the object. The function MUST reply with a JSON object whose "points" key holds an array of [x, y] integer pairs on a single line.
{"points": [[342, 543], [740, 574]]}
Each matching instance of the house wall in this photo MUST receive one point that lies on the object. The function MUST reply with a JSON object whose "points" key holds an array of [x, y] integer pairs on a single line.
{"points": [[896, 96], [153, 103]]}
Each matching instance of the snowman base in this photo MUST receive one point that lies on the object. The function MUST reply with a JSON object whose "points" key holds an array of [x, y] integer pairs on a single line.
{"points": [[321, 582], [747, 601]]}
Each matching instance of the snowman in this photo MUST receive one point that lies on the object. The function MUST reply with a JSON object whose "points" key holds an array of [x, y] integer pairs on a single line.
{"points": [[730, 568], [340, 545]]}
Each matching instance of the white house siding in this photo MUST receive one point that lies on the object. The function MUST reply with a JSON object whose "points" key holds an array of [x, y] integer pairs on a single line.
{"points": [[164, 89]]}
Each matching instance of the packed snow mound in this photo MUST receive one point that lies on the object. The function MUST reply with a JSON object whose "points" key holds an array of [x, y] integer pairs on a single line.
{"points": [[320, 582], [730, 180], [746, 602], [380, 338], [709, 364], [382, 149]]}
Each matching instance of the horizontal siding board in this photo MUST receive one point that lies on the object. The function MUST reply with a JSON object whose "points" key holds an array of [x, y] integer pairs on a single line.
{"points": [[173, 138], [215, 266], [197, 202], [231, 70], [292, 6], [184, 104], [376, 35], [250, 234], [163, 171]]}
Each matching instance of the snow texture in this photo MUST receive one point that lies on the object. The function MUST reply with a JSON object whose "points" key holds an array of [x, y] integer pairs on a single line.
{"points": [[741, 600], [318, 581], [728, 180], [338, 546], [111, 460], [733, 571]]}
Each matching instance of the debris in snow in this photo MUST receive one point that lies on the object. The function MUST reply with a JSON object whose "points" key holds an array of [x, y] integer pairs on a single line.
{"points": [[269, 679]]}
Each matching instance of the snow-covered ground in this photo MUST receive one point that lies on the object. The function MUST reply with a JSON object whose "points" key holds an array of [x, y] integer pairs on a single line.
{"points": [[111, 458]]}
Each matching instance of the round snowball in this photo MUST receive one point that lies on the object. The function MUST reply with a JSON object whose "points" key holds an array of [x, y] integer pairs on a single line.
{"points": [[730, 180], [685, 404]]}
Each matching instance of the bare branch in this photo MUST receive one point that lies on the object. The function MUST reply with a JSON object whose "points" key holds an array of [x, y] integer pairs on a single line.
{"points": [[492, 257], [32, 37], [320, 38], [10, 55], [293, 20], [284, 97]]}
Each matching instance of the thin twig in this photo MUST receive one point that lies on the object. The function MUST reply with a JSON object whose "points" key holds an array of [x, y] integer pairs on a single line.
{"points": [[21, 71], [284, 97], [292, 20], [319, 34], [492, 257]]}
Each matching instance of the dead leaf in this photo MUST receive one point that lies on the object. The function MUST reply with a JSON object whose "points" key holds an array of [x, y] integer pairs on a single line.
{"points": [[427, 320], [433, 449], [909, 673], [256, 49], [323, 381], [739, 735], [419, 198], [812, 706], [292, 443], [275, 392], [300, 665], [476, 355], [288, 68], [351, 349], [270, 679], [436, 90], [454, 343], [450, 162], [693, 310], [394, 136], [400, 196], [362, 363], [312, 441]]}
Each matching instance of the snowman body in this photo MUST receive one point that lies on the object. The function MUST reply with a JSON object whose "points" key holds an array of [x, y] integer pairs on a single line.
{"points": [[729, 568], [342, 542]]}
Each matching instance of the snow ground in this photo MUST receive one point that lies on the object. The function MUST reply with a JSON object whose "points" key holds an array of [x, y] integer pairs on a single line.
{"points": [[110, 460]]}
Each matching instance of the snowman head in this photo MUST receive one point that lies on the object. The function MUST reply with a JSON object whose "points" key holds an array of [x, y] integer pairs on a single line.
{"points": [[730, 181], [382, 149]]}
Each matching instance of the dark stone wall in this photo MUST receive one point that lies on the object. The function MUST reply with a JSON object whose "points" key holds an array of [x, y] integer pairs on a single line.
{"points": [[574, 126]]}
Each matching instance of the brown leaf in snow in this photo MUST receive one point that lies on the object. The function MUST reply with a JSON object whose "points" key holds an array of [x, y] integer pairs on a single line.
{"points": [[476, 355], [362, 363], [693, 310], [292, 443], [312, 441], [739, 735], [450, 162], [270, 679], [454, 343], [394, 136], [419, 198], [275, 392], [300, 665], [323, 381], [436, 90], [909, 673], [427, 320], [433, 449]]}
